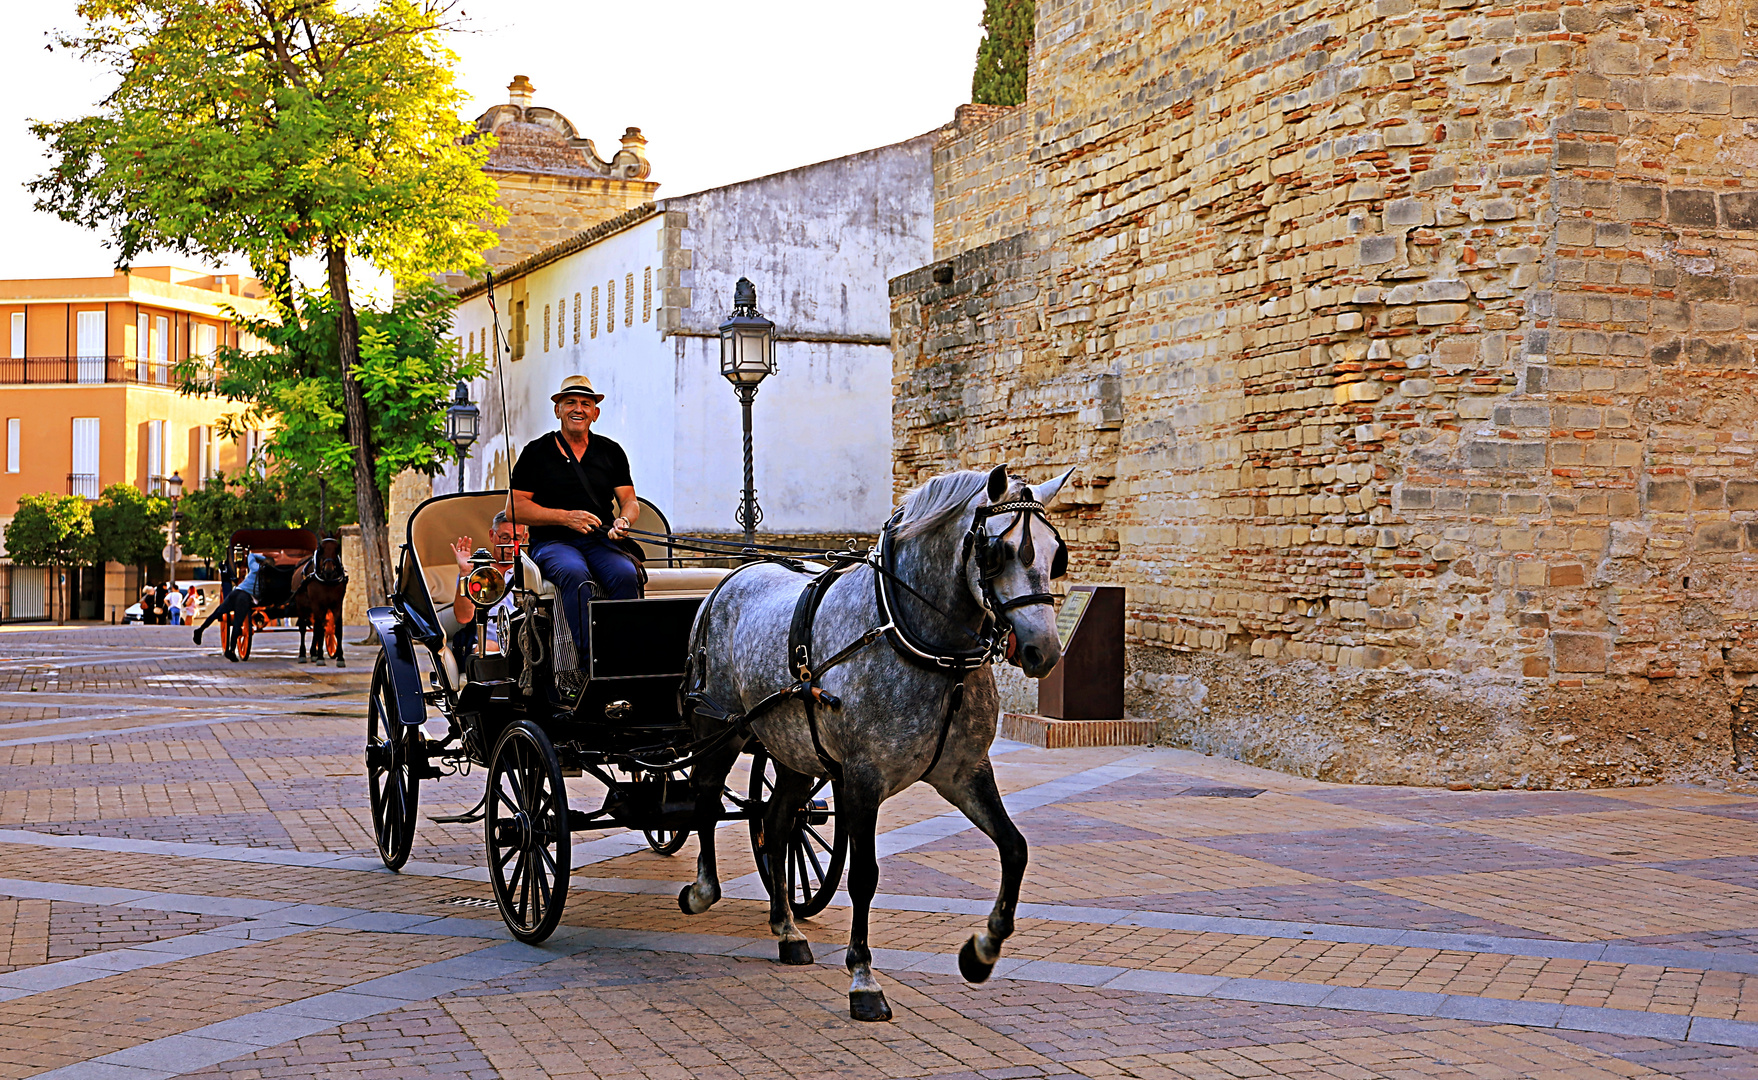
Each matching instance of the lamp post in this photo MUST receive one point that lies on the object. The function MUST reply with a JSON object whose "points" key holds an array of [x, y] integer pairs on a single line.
{"points": [[747, 357], [461, 420], [172, 553]]}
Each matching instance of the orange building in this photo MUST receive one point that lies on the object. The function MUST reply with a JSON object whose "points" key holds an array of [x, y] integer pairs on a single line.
{"points": [[87, 399]]}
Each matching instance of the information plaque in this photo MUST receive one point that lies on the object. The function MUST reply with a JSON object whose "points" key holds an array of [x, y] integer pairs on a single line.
{"points": [[1088, 682]]}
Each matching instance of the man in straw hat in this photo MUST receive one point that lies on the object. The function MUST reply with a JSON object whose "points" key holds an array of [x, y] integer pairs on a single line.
{"points": [[573, 489]]}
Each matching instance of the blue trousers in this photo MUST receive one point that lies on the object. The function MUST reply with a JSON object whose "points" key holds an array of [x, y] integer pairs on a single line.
{"points": [[571, 563]]}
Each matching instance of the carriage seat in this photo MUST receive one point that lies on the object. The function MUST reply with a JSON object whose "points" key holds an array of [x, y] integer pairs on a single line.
{"points": [[683, 581]]}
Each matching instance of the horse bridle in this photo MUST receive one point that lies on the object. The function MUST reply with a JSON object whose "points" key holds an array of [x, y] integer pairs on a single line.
{"points": [[990, 552], [318, 564]]}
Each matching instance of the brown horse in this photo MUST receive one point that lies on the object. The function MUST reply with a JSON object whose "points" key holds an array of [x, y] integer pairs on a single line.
{"points": [[319, 585]]}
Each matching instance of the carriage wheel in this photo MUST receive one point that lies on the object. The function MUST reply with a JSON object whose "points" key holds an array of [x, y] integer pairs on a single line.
{"points": [[393, 753], [244, 636], [816, 847], [526, 829]]}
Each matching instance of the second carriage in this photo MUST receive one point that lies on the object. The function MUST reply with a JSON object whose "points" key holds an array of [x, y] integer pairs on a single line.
{"points": [[277, 600], [531, 716]]}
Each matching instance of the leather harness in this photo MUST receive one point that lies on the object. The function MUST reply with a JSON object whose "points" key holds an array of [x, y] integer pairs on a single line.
{"points": [[990, 643]]}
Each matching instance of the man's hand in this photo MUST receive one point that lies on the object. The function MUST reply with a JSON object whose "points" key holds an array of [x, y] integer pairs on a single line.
{"points": [[581, 521], [462, 548], [619, 528]]}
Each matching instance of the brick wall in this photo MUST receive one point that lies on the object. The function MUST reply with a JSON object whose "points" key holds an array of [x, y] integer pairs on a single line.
{"points": [[1400, 349]]}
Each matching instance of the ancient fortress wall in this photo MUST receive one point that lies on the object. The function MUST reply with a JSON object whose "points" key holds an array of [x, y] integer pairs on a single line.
{"points": [[1403, 350]]}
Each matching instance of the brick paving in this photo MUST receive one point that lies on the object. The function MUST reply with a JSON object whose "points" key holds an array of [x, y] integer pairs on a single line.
{"points": [[209, 805]]}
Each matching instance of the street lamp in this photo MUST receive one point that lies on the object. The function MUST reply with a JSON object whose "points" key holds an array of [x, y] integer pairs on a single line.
{"points": [[172, 553], [461, 419], [747, 357]]}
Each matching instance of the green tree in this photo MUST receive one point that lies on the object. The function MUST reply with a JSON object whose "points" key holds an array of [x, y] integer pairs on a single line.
{"points": [[406, 372], [1005, 52], [276, 129], [53, 531], [129, 525], [222, 506]]}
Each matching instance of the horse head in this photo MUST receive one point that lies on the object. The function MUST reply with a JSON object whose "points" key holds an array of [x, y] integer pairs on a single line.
{"points": [[1011, 554], [328, 559]]}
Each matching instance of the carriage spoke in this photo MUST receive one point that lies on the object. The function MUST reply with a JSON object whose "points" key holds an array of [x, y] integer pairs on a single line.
{"points": [[813, 833]]}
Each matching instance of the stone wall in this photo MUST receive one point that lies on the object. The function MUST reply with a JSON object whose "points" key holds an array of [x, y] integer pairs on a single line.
{"points": [[1401, 352], [543, 211], [981, 178]]}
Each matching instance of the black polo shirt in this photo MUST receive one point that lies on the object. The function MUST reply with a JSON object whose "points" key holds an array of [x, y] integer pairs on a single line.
{"points": [[554, 485]]}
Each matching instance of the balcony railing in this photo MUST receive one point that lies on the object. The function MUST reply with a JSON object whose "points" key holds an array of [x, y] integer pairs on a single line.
{"points": [[85, 485], [16, 371]]}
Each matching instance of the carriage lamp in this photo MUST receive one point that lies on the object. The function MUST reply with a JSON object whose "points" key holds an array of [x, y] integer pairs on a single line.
{"points": [[747, 357], [462, 417]]}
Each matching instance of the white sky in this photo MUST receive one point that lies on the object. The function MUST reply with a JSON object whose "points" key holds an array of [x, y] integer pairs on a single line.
{"points": [[722, 90]]}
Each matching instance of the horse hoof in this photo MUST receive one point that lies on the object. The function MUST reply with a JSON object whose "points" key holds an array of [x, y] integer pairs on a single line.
{"points": [[970, 966], [684, 900], [340, 663], [319, 661], [868, 1005], [799, 953]]}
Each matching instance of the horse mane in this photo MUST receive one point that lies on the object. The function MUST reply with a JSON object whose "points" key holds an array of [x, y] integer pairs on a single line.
{"points": [[938, 499]]}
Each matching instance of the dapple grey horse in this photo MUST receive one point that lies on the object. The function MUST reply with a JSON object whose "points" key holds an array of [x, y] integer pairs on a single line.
{"points": [[900, 717]]}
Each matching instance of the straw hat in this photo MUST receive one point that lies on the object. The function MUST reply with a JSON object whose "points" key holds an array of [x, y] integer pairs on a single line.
{"points": [[577, 384]]}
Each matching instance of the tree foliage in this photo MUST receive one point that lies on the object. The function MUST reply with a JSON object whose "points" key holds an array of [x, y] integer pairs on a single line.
{"points": [[407, 370], [54, 531], [277, 129], [129, 525], [222, 506], [272, 499], [51, 530], [1005, 53], [270, 128]]}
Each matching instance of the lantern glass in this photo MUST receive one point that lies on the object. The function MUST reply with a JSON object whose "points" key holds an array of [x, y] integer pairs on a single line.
{"points": [[747, 349], [175, 485]]}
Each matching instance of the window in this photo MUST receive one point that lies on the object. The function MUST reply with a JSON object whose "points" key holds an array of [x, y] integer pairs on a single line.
{"points": [[647, 295], [161, 344], [206, 341], [204, 456], [610, 306], [519, 329], [546, 328], [594, 311], [18, 335], [142, 335], [13, 426], [561, 323], [629, 300], [472, 347], [84, 478], [89, 341], [576, 318], [155, 462]]}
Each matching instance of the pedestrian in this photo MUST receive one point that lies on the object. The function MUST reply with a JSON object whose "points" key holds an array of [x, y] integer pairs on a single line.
{"points": [[174, 605], [148, 616], [160, 591]]}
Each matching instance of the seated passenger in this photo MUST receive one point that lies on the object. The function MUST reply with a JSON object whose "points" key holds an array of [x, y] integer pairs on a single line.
{"points": [[561, 485], [507, 546]]}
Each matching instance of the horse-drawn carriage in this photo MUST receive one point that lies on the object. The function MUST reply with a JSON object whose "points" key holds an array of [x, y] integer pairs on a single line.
{"points": [[274, 598], [289, 589], [540, 710], [848, 679]]}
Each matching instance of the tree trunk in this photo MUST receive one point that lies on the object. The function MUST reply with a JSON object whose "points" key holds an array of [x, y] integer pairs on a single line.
{"points": [[374, 541]]}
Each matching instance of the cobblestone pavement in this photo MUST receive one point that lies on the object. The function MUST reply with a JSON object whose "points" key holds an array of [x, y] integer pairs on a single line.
{"points": [[187, 888]]}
